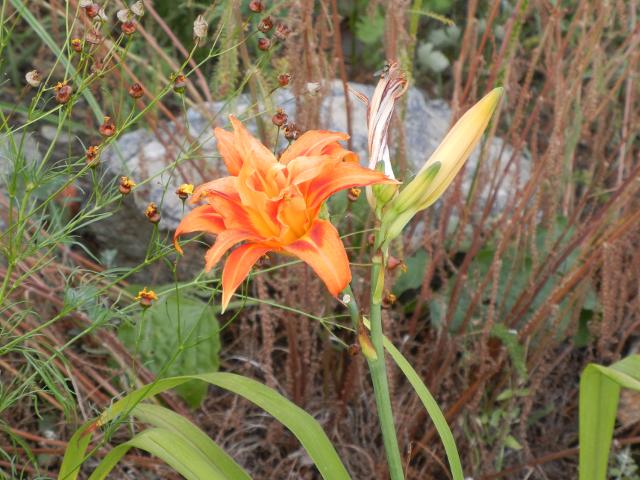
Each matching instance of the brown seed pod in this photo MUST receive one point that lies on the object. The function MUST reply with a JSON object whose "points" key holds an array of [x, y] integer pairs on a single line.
{"points": [[92, 10], [179, 83], [136, 90], [256, 6], [63, 92], [291, 132], [129, 27], [284, 79], [126, 184], [264, 44], [280, 118], [92, 155], [108, 128], [265, 25]]}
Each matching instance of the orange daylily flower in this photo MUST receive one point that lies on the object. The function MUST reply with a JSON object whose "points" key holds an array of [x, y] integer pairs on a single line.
{"points": [[273, 205]]}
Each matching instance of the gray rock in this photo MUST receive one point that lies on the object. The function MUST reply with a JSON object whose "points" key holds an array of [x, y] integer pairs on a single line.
{"points": [[171, 159]]}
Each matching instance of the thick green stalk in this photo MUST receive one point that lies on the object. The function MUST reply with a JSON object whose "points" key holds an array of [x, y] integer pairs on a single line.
{"points": [[378, 370]]}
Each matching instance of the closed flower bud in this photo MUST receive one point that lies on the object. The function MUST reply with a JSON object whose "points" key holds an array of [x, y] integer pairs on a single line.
{"points": [[282, 32], [129, 27], [63, 92], [265, 25], [92, 156], [152, 213], [33, 78], [137, 8], [136, 90], [76, 45], [264, 43], [256, 6], [108, 128], [284, 79], [393, 263], [126, 184], [280, 118], [200, 28], [179, 83]]}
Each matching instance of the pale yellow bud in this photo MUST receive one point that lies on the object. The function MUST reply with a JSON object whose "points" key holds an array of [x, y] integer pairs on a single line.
{"points": [[457, 146]]}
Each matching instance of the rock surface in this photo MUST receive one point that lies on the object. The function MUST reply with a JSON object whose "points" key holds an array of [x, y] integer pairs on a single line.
{"points": [[141, 154]]}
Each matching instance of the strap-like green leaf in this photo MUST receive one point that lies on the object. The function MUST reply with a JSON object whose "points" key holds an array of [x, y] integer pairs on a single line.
{"points": [[162, 417], [299, 422], [171, 448], [74, 454], [436, 415], [599, 395]]}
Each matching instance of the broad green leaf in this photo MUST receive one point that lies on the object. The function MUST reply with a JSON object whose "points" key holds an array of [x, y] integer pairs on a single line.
{"points": [[299, 422], [172, 449], [599, 395], [159, 341], [162, 417], [412, 278]]}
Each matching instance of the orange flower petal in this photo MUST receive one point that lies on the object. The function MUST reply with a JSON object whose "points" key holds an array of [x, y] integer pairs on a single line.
{"points": [[342, 176], [322, 249], [303, 169], [200, 219], [311, 143], [225, 185], [224, 241], [227, 148], [251, 150], [237, 267]]}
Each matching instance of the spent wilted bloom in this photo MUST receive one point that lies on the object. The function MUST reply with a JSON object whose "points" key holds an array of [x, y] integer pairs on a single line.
{"points": [[313, 88], [126, 184], [200, 28], [108, 128], [124, 15], [93, 36], [279, 118], [92, 156], [136, 90], [444, 164], [274, 204], [391, 86], [137, 8], [284, 79], [33, 78], [102, 15], [264, 43], [76, 44], [265, 25], [291, 131], [152, 213], [389, 300], [184, 191], [63, 92], [256, 6], [282, 32], [146, 297]]}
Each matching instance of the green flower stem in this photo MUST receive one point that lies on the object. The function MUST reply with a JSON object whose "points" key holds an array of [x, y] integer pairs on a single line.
{"points": [[378, 370]]}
